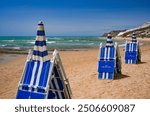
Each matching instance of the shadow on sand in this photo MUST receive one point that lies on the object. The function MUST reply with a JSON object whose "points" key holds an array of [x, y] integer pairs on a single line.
{"points": [[141, 62], [121, 76]]}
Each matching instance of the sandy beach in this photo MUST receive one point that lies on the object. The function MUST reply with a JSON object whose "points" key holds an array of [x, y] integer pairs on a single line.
{"points": [[81, 69]]}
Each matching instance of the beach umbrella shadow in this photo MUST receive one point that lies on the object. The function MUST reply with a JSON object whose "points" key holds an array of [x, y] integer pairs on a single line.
{"points": [[121, 76], [141, 63]]}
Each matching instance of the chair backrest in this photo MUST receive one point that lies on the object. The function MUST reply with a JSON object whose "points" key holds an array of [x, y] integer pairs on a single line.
{"points": [[131, 46], [107, 53], [36, 74]]}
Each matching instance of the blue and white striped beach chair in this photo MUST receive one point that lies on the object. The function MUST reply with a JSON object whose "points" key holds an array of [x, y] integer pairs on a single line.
{"points": [[132, 51], [109, 63], [43, 78]]}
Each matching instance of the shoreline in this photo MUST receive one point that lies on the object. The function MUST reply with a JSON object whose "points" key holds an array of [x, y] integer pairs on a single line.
{"points": [[145, 42]]}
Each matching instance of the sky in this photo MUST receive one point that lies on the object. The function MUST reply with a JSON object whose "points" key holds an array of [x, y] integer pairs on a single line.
{"points": [[71, 17]]}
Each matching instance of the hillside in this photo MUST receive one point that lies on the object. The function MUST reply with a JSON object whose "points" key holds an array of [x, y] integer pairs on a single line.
{"points": [[141, 31], [113, 33]]}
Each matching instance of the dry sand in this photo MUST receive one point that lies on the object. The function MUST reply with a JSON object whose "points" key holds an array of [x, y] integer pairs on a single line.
{"points": [[81, 69]]}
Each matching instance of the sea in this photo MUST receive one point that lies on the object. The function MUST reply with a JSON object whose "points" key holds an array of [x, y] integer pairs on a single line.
{"points": [[53, 42]]}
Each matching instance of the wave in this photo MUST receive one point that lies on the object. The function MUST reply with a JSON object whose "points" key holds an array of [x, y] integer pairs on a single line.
{"points": [[8, 40], [53, 38], [91, 44], [3, 45], [51, 42], [32, 42]]}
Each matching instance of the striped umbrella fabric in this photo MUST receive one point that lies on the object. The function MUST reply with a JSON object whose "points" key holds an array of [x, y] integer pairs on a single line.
{"points": [[134, 37], [40, 52], [109, 41]]}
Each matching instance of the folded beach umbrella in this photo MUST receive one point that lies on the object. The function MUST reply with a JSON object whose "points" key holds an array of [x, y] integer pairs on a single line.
{"points": [[109, 41], [40, 50]]}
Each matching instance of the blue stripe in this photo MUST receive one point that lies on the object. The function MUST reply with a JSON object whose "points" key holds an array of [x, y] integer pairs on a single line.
{"points": [[102, 53], [110, 42], [109, 37], [40, 33], [51, 95], [112, 51], [53, 83], [133, 37], [38, 53], [56, 92], [42, 90], [59, 81], [40, 24], [44, 74], [100, 75], [25, 87], [22, 94], [37, 95], [28, 72], [62, 94], [56, 72], [134, 46], [40, 43], [127, 47], [110, 76], [134, 40]]}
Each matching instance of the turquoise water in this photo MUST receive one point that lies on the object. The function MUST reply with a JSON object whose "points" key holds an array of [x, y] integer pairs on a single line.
{"points": [[62, 42]]}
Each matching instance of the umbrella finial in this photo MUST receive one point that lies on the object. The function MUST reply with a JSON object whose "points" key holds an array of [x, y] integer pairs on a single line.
{"points": [[40, 22]]}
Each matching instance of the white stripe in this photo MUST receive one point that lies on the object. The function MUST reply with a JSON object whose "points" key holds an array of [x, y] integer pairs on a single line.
{"points": [[128, 61], [108, 57], [107, 75], [105, 51], [39, 58], [136, 46], [39, 48], [131, 61], [40, 28], [39, 74], [103, 75], [57, 86], [33, 73], [132, 46], [129, 47], [40, 38]]}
